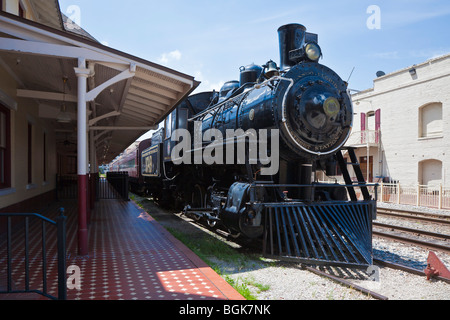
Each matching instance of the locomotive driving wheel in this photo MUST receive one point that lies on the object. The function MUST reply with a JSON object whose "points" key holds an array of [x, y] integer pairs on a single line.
{"points": [[209, 205], [198, 199]]}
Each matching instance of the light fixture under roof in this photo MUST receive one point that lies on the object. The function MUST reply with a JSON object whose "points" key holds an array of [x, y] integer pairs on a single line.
{"points": [[64, 116]]}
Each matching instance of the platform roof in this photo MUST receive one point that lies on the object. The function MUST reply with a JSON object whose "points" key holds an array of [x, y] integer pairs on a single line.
{"points": [[127, 95]]}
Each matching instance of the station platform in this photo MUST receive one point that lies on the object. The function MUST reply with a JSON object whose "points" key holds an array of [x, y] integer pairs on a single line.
{"points": [[132, 257]]}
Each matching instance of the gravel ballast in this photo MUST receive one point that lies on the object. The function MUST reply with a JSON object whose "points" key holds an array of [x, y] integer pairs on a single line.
{"points": [[275, 280]]}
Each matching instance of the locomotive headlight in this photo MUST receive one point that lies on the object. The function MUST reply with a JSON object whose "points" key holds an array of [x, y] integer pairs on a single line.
{"points": [[313, 51], [331, 106]]}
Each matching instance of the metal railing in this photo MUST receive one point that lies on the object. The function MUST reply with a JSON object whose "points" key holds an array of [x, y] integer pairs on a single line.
{"points": [[370, 137], [416, 195], [115, 186], [437, 196], [66, 187], [11, 258]]}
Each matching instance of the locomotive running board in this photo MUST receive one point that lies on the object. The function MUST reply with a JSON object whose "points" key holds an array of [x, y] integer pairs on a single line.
{"points": [[328, 233]]}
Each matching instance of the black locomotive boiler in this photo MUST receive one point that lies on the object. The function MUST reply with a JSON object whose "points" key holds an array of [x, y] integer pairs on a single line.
{"points": [[305, 110]]}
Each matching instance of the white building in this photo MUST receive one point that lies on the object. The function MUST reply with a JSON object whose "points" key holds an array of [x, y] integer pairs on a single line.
{"points": [[402, 125]]}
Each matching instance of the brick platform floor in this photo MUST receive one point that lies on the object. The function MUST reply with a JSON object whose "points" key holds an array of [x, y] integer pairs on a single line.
{"points": [[131, 257]]}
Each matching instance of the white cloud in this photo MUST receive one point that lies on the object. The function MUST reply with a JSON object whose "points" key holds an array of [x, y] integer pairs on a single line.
{"points": [[169, 57], [207, 85], [409, 16], [385, 55], [430, 53]]}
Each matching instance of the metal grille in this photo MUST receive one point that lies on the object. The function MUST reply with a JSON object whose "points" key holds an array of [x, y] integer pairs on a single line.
{"points": [[66, 187], [115, 186], [326, 233]]}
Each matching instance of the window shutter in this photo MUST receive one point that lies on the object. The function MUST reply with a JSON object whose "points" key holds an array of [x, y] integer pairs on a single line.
{"points": [[363, 127], [378, 119], [363, 122], [377, 125]]}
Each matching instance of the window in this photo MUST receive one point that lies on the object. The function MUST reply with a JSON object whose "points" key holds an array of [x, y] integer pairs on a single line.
{"points": [[371, 126], [22, 12], [30, 153], [72, 165], [370, 120], [44, 149], [5, 148], [168, 126], [430, 120], [430, 172]]}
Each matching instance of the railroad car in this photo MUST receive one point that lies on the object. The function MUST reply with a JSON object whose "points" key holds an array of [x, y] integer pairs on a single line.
{"points": [[245, 159], [130, 162]]}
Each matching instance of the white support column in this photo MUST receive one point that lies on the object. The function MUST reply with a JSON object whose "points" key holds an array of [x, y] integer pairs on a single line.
{"points": [[82, 74]]}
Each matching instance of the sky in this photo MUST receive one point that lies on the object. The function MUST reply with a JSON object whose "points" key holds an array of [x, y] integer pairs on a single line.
{"points": [[211, 39]]}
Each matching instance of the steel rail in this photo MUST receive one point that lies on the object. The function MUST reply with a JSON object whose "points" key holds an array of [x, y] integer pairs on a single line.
{"points": [[347, 283], [421, 243], [413, 215], [396, 266], [411, 230]]}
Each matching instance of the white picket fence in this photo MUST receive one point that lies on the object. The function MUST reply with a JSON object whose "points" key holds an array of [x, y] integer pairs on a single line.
{"points": [[417, 195]]}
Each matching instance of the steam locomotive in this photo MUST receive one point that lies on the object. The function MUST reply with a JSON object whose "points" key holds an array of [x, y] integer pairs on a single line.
{"points": [[288, 122]]}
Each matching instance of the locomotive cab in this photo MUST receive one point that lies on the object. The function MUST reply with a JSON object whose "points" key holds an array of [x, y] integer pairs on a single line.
{"points": [[178, 118]]}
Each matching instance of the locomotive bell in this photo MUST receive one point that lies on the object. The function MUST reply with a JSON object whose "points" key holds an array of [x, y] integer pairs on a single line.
{"points": [[272, 69]]}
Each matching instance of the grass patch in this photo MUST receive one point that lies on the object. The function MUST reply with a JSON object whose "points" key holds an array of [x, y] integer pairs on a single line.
{"points": [[216, 254], [207, 246], [241, 287]]}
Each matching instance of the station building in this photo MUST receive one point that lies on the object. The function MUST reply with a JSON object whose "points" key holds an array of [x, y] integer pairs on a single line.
{"points": [[402, 125], [69, 104]]}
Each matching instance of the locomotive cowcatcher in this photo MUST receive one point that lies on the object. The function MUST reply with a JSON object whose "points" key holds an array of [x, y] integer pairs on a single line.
{"points": [[303, 112]]}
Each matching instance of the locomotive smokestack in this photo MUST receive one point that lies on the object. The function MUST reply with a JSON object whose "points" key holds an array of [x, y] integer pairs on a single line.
{"points": [[292, 36]]}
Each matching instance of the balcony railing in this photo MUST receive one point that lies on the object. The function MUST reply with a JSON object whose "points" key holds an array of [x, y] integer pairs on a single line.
{"points": [[368, 137]]}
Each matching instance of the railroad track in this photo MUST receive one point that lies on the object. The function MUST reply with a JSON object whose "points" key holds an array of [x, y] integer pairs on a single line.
{"points": [[426, 239], [392, 265], [413, 215]]}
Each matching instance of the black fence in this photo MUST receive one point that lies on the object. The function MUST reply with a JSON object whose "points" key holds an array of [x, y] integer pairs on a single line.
{"points": [[115, 186], [26, 226], [66, 187]]}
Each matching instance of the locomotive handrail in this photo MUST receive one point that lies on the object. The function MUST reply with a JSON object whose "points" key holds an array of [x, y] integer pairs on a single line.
{"points": [[284, 120], [314, 185], [226, 100]]}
